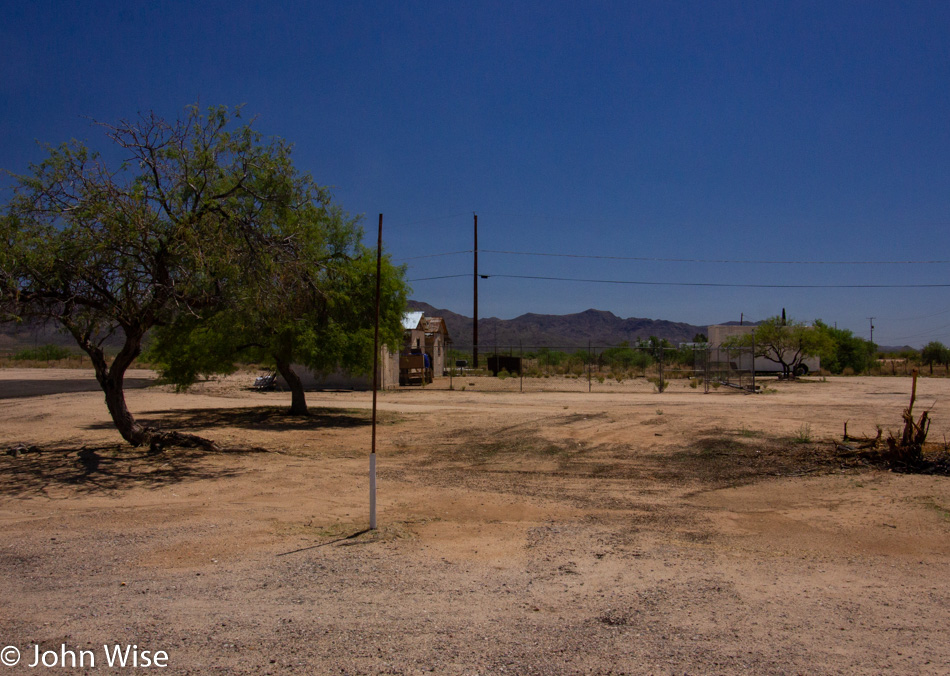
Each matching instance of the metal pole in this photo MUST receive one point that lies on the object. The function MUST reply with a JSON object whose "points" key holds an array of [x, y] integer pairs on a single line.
{"points": [[588, 367], [372, 454], [475, 310], [753, 362], [706, 370]]}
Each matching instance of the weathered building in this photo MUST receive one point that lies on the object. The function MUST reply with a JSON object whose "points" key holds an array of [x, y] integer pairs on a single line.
{"points": [[428, 335]]}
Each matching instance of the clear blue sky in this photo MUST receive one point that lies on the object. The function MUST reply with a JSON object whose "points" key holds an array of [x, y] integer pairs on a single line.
{"points": [[692, 130]]}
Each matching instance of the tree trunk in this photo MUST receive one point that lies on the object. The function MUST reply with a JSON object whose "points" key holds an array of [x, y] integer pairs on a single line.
{"points": [[298, 399], [111, 380], [131, 431]]}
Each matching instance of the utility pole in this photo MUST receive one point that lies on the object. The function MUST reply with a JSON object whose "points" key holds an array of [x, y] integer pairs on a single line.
{"points": [[871, 321], [475, 311]]}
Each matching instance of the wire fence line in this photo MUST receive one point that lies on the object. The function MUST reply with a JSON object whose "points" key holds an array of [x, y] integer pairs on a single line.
{"points": [[600, 367]]}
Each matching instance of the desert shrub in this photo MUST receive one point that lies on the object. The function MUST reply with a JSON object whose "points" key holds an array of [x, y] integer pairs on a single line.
{"points": [[803, 434]]}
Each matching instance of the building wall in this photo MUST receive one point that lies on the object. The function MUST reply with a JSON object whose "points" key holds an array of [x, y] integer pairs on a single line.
{"points": [[436, 351], [720, 333], [342, 380]]}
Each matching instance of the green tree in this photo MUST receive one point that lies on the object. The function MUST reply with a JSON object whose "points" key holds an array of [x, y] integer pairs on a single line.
{"points": [[845, 350], [934, 352], [182, 228], [315, 309], [784, 342]]}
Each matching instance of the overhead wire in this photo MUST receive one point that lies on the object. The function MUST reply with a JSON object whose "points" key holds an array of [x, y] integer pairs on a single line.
{"points": [[724, 284], [435, 255], [707, 260], [712, 284]]}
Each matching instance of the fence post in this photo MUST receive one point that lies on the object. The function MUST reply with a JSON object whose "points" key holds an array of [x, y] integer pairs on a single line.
{"points": [[706, 369], [753, 362]]}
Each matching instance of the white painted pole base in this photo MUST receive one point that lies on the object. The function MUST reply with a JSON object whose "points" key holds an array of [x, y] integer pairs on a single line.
{"points": [[372, 491]]}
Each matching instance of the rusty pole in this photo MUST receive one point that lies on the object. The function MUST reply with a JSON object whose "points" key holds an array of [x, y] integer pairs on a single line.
{"points": [[376, 379], [475, 311]]}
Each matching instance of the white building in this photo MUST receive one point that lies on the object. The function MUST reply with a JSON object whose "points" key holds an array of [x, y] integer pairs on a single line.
{"points": [[742, 361]]}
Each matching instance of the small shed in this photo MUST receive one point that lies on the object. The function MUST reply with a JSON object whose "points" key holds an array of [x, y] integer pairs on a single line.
{"points": [[426, 335], [498, 363]]}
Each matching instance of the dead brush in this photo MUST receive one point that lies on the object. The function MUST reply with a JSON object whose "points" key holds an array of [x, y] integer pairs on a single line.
{"points": [[908, 451], [903, 453]]}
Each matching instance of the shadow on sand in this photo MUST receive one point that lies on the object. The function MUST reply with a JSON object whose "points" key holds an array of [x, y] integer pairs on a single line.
{"points": [[263, 418], [102, 468]]}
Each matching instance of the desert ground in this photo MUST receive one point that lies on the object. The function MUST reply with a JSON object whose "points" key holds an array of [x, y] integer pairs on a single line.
{"points": [[536, 532]]}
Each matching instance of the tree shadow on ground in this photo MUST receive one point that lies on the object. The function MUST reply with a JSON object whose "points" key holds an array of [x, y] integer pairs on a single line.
{"points": [[102, 468], [260, 418]]}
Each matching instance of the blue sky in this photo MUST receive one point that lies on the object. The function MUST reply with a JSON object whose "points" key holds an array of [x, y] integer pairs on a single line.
{"points": [[702, 131]]}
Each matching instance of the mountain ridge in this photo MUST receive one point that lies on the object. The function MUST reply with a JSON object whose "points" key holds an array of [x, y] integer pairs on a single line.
{"points": [[592, 326]]}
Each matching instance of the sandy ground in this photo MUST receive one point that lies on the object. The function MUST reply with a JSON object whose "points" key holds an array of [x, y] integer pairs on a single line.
{"points": [[622, 531]]}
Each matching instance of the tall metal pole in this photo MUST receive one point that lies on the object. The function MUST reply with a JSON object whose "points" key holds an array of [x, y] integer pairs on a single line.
{"points": [[372, 454], [475, 311]]}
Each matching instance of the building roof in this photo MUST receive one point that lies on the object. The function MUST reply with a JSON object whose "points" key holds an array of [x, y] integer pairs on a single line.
{"points": [[411, 320], [435, 325]]}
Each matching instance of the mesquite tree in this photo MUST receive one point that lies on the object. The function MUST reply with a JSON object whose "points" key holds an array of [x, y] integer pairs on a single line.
{"points": [[784, 342], [314, 310], [181, 228]]}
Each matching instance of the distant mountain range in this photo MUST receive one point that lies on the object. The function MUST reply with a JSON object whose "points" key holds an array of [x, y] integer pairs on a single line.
{"points": [[562, 331], [531, 330], [599, 327]]}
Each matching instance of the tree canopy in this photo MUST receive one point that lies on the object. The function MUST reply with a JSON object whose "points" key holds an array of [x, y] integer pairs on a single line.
{"points": [[203, 216], [934, 352], [314, 311], [783, 341], [843, 350]]}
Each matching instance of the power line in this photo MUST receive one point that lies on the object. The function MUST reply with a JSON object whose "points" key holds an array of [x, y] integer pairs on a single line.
{"points": [[911, 319], [647, 259], [425, 279], [718, 284], [435, 255], [703, 260], [927, 333]]}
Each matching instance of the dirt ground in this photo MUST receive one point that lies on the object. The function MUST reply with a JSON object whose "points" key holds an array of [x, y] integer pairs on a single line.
{"points": [[621, 531]]}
